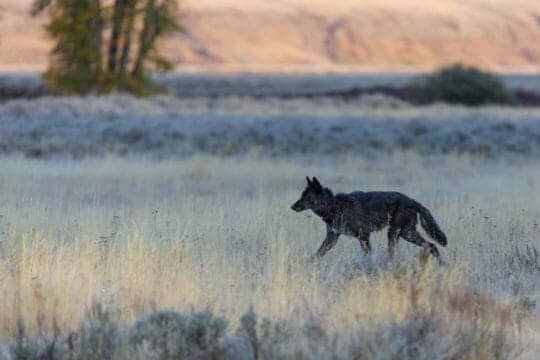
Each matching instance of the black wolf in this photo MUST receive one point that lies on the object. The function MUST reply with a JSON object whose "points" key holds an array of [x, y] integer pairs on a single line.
{"points": [[359, 213]]}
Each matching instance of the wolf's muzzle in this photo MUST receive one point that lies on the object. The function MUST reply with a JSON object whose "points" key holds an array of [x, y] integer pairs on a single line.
{"points": [[296, 207]]}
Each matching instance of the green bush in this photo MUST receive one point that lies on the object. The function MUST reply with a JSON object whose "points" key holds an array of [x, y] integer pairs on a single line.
{"points": [[28, 347], [458, 84], [202, 336], [97, 338], [172, 335], [268, 339]]}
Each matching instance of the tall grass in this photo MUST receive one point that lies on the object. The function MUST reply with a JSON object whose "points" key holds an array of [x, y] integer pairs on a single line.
{"points": [[138, 236]]}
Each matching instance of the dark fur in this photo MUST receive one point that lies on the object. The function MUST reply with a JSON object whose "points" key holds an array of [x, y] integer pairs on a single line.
{"points": [[359, 213]]}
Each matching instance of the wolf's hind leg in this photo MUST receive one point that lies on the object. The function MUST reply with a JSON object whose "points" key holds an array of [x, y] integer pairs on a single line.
{"points": [[393, 237], [414, 237], [328, 243], [364, 242]]}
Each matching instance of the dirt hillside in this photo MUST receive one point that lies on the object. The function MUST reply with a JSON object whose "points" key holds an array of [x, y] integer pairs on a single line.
{"points": [[312, 35]]}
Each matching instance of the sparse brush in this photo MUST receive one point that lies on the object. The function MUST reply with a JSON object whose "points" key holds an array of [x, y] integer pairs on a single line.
{"points": [[524, 260], [167, 127], [269, 339], [97, 338], [225, 241], [427, 336], [172, 335], [41, 347], [441, 328]]}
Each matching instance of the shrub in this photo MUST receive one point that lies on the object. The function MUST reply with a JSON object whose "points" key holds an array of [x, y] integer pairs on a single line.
{"points": [[425, 336], [422, 334], [463, 85], [33, 348], [97, 338], [171, 335], [21, 86], [269, 340]]}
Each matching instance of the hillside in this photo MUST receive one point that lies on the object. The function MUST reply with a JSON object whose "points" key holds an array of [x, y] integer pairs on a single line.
{"points": [[321, 35]]}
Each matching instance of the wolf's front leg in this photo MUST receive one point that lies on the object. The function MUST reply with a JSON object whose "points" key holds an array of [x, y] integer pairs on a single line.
{"points": [[393, 237], [328, 243], [364, 242]]}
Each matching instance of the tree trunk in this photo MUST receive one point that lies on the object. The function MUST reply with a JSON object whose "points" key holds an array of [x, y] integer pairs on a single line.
{"points": [[117, 19], [145, 38], [128, 30], [98, 35]]}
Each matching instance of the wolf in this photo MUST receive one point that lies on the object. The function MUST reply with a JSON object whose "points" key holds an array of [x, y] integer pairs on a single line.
{"points": [[360, 213]]}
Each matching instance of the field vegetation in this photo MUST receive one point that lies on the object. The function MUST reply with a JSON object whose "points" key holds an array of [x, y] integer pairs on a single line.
{"points": [[165, 127], [161, 228], [209, 246]]}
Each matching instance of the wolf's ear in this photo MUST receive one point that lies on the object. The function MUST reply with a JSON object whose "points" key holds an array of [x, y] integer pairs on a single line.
{"points": [[308, 181], [316, 184]]}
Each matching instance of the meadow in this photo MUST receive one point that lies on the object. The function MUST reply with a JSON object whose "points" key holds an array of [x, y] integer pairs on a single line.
{"points": [[169, 127], [205, 232], [120, 239]]}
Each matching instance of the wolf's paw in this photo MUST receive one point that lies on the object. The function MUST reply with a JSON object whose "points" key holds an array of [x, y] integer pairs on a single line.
{"points": [[443, 263], [313, 258]]}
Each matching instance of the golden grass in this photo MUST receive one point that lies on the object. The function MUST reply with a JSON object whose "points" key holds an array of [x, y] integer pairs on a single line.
{"points": [[59, 285], [205, 232]]}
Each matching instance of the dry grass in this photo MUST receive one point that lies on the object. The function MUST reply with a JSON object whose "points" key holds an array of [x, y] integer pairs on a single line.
{"points": [[166, 127], [206, 232]]}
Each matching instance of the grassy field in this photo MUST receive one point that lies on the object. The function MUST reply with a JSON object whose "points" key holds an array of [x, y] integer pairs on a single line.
{"points": [[168, 127], [161, 227], [208, 232]]}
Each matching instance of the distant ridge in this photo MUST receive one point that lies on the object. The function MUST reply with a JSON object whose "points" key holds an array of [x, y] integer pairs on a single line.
{"points": [[322, 35]]}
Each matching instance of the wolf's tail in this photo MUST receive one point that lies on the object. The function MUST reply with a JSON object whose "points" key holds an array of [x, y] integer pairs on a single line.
{"points": [[430, 225]]}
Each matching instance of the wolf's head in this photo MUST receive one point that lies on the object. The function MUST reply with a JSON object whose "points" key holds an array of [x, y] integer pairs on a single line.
{"points": [[313, 197]]}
